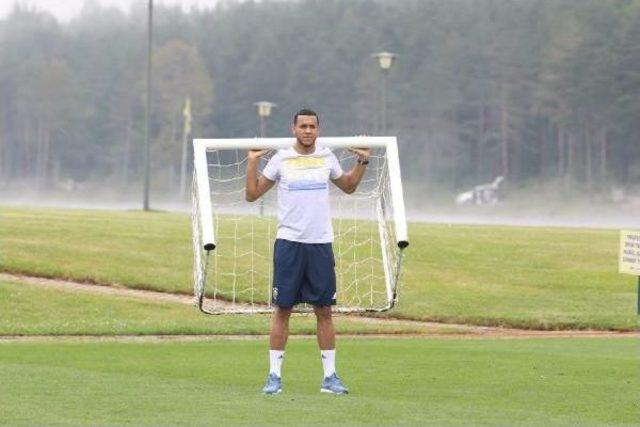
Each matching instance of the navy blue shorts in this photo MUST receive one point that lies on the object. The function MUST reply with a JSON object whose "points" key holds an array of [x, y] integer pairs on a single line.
{"points": [[303, 272]]}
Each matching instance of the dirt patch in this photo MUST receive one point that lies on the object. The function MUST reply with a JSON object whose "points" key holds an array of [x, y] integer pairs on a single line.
{"points": [[457, 330], [118, 290], [199, 338]]}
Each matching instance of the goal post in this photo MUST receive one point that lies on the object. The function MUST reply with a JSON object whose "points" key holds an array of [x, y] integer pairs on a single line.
{"points": [[232, 238]]}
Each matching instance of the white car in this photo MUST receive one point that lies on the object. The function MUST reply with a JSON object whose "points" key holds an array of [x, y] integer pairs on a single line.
{"points": [[481, 194]]}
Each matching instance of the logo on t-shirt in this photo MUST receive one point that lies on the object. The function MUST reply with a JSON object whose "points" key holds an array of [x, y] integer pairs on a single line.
{"points": [[304, 162], [306, 173]]}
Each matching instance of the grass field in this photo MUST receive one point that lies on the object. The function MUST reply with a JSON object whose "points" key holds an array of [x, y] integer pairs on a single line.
{"points": [[34, 310], [393, 382], [515, 276], [547, 278]]}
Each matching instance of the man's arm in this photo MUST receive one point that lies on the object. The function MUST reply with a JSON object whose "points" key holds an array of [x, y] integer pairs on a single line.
{"points": [[349, 181], [256, 185]]}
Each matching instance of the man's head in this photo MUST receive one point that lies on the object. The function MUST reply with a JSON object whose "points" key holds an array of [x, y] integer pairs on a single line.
{"points": [[306, 127], [306, 112]]}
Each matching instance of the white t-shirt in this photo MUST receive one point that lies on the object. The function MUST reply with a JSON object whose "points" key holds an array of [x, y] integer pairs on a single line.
{"points": [[303, 193]]}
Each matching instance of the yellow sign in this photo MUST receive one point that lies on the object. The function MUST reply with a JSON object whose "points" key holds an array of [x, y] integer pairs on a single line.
{"points": [[629, 252]]}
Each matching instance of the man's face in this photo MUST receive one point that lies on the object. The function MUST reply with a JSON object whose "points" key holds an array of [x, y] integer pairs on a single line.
{"points": [[305, 130]]}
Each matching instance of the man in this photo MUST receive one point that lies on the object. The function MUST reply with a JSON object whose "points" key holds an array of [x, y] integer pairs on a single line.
{"points": [[303, 256]]}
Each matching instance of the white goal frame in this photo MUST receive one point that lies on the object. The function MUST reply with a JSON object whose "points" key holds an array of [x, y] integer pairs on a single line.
{"points": [[205, 242]]}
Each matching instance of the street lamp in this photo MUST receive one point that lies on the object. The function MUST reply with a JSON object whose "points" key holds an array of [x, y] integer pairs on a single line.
{"points": [[264, 111], [186, 131], [147, 109], [385, 61]]}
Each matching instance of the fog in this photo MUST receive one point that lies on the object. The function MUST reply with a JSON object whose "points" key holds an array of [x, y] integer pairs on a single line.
{"points": [[68, 10], [521, 213], [504, 113]]}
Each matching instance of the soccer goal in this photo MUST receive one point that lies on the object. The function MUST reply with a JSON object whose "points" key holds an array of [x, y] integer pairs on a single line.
{"points": [[233, 239]]}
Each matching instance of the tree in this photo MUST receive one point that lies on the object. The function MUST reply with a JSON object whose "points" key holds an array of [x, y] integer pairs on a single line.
{"points": [[179, 73]]}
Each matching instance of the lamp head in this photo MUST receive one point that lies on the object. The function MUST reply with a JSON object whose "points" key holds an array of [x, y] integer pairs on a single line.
{"points": [[385, 60], [264, 108]]}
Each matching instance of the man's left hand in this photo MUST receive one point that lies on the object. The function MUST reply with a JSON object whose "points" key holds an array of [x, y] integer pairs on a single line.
{"points": [[362, 153]]}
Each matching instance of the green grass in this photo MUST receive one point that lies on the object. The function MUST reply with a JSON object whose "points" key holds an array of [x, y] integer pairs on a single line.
{"points": [[518, 276], [529, 277], [35, 310], [137, 249], [586, 382]]}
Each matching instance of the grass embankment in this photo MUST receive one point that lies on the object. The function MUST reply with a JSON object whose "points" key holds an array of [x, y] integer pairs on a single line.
{"points": [[392, 382], [36, 310], [550, 278]]}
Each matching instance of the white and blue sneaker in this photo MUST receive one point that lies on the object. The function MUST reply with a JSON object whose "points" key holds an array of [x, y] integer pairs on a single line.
{"points": [[273, 385], [332, 384]]}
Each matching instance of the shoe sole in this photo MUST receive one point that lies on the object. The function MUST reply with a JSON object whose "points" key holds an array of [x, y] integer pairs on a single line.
{"points": [[275, 392], [326, 390]]}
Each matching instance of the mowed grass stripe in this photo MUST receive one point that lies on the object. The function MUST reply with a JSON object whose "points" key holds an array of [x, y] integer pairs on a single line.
{"points": [[146, 250], [35, 310], [527, 277], [534, 277], [407, 382]]}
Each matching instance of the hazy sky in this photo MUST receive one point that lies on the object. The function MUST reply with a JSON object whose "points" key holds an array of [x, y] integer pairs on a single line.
{"points": [[67, 9]]}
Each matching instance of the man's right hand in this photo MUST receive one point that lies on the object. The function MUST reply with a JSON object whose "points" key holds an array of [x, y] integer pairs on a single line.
{"points": [[256, 154], [256, 186]]}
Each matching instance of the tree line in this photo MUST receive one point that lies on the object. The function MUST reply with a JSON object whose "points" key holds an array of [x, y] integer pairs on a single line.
{"points": [[533, 90]]}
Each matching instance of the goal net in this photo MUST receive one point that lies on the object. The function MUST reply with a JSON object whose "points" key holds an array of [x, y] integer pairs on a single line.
{"points": [[233, 239]]}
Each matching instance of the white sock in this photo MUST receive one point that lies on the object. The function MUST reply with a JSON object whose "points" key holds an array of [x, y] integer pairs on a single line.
{"points": [[328, 362], [275, 361]]}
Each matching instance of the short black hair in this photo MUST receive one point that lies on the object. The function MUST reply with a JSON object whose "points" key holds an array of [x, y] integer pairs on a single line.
{"points": [[305, 112]]}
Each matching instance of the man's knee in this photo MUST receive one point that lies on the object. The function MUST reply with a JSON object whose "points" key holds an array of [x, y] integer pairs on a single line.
{"points": [[282, 313], [323, 313]]}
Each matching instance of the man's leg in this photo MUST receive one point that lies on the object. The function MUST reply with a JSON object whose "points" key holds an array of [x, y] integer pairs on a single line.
{"points": [[279, 328], [326, 333], [277, 343], [327, 343], [278, 339]]}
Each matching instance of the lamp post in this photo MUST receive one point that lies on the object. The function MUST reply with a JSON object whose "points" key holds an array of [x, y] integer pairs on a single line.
{"points": [[385, 61], [186, 131], [147, 111], [264, 111]]}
